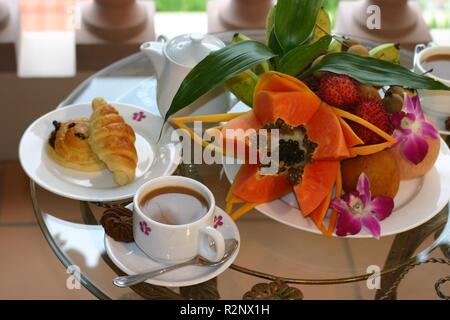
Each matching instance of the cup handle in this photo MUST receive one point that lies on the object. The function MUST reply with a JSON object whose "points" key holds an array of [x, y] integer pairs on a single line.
{"points": [[204, 248]]}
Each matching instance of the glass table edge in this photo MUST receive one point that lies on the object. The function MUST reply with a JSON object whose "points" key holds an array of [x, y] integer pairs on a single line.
{"points": [[97, 292]]}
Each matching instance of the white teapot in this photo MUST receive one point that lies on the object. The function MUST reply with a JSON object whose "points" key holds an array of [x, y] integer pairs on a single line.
{"points": [[173, 60]]}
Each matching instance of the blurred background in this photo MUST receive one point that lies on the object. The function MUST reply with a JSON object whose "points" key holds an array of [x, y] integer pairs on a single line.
{"points": [[436, 12], [47, 47]]}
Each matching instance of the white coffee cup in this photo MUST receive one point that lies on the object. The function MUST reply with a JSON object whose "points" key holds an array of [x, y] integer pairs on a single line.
{"points": [[174, 243], [435, 102]]}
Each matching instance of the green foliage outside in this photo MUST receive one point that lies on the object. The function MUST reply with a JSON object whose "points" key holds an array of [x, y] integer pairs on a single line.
{"points": [[181, 5]]}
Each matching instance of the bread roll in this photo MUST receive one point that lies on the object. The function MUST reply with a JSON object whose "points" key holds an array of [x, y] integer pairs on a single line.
{"points": [[68, 145], [112, 140]]}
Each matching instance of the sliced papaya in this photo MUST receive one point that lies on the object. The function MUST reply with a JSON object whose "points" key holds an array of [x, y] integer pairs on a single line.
{"points": [[325, 130], [240, 141], [279, 82], [181, 122], [334, 213], [294, 108], [370, 149], [250, 186], [246, 207], [318, 215], [316, 183], [350, 116], [350, 136]]}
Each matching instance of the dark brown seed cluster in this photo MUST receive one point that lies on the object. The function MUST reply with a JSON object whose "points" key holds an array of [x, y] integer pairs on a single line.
{"points": [[279, 124], [295, 175], [52, 138], [310, 147], [290, 152], [293, 154]]}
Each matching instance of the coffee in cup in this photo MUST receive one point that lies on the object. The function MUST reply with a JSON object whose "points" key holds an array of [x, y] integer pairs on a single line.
{"points": [[173, 220], [163, 205], [434, 62]]}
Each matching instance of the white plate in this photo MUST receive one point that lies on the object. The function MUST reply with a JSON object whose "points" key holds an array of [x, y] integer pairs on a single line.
{"points": [[417, 201], [154, 159], [132, 260]]}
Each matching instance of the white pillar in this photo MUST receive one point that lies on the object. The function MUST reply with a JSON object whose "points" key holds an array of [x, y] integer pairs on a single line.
{"points": [[401, 21], [4, 14], [118, 20], [237, 14]]}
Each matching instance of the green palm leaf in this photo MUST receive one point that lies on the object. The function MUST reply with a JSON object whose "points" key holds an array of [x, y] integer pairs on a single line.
{"points": [[215, 69], [374, 72]]}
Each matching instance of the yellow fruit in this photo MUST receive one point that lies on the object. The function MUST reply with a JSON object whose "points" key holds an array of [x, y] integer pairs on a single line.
{"points": [[409, 170], [359, 50], [324, 26], [392, 102], [381, 169], [367, 92], [387, 51], [318, 74], [348, 42], [397, 90], [335, 46]]}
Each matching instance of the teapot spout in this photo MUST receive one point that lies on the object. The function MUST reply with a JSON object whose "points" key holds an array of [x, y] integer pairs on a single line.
{"points": [[154, 51]]}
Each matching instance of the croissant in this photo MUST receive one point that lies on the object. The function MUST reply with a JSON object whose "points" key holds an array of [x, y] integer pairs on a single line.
{"points": [[112, 140], [68, 145]]}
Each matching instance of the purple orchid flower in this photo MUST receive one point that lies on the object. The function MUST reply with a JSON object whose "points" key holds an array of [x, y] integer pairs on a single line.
{"points": [[357, 209], [411, 128]]}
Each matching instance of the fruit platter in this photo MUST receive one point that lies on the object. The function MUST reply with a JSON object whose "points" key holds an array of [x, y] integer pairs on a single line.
{"points": [[356, 154]]}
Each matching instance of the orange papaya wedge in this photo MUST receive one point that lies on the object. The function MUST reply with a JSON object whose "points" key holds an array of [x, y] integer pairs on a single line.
{"points": [[279, 82], [334, 213], [294, 108], [350, 136], [347, 115], [318, 215], [245, 208], [316, 183], [234, 140], [370, 149], [325, 130], [250, 186], [279, 96]]}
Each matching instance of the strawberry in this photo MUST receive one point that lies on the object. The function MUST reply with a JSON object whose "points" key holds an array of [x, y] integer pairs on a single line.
{"points": [[373, 112], [338, 90]]}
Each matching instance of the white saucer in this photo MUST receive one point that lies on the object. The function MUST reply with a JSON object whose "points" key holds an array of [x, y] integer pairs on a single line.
{"points": [[155, 158], [132, 260]]}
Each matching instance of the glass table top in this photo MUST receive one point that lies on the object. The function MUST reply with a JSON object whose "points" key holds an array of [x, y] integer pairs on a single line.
{"points": [[269, 250]]}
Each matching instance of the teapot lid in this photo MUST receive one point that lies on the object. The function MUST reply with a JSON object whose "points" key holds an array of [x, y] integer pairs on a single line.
{"points": [[190, 49]]}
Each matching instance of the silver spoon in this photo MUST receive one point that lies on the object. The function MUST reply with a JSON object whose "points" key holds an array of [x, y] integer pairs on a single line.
{"points": [[126, 281]]}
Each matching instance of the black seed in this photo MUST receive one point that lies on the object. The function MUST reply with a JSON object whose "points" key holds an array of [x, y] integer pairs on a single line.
{"points": [[52, 138], [294, 175], [80, 136]]}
